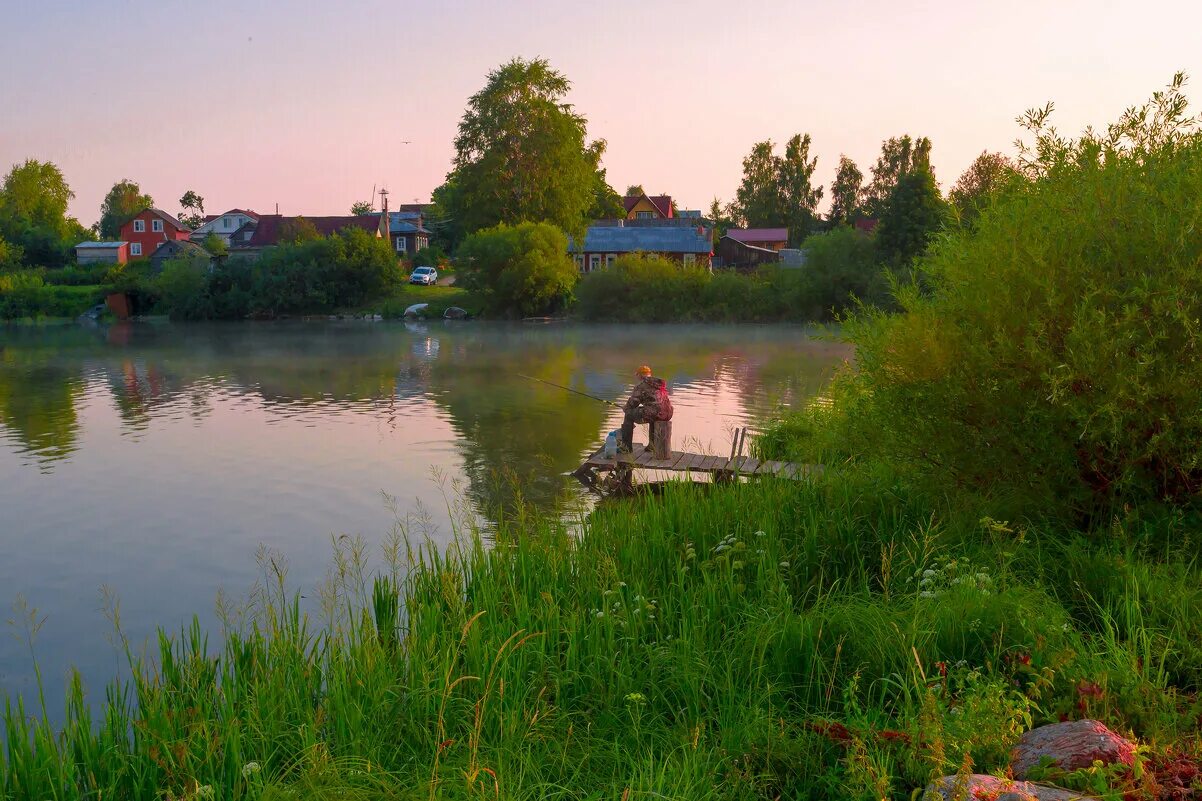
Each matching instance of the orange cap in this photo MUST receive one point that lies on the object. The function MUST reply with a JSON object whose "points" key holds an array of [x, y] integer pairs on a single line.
{"points": [[644, 370]]}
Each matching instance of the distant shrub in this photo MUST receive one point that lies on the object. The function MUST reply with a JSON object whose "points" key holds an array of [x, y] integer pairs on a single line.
{"points": [[519, 270], [841, 268]]}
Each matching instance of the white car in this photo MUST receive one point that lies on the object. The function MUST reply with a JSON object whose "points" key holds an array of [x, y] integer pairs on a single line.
{"points": [[424, 275]]}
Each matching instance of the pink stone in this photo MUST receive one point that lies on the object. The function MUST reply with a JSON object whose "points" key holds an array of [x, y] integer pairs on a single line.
{"points": [[982, 786], [1072, 745]]}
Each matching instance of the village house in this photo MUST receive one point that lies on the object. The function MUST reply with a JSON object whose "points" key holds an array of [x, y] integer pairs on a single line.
{"points": [[224, 225], [644, 207], [102, 253], [177, 250], [406, 232], [605, 241], [151, 228], [271, 228], [771, 238]]}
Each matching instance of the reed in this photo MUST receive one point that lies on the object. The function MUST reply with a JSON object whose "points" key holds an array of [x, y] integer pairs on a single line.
{"points": [[759, 640]]}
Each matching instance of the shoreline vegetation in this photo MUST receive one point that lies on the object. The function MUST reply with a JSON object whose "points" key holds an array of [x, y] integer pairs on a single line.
{"points": [[1005, 535]]}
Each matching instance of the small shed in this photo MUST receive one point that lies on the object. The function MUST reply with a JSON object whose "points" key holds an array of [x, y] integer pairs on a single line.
{"points": [[178, 249], [741, 256], [102, 252]]}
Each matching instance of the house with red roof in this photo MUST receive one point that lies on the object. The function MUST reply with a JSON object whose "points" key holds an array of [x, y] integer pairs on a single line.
{"points": [[773, 239], [151, 228], [271, 229], [648, 207]]}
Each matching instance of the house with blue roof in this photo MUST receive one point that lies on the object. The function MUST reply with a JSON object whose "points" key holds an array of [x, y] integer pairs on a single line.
{"points": [[685, 240], [407, 233]]}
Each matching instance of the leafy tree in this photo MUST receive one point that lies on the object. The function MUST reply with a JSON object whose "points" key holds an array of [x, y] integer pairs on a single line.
{"points": [[974, 189], [635, 189], [35, 194], [215, 245], [33, 214], [799, 198], [10, 255], [521, 154], [899, 156], [122, 203], [193, 206], [520, 270], [723, 217], [362, 207], [758, 199], [914, 213], [298, 230], [845, 193], [607, 205]]}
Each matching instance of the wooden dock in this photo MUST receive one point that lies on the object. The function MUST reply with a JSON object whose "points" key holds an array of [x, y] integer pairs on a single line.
{"points": [[720, 468]]}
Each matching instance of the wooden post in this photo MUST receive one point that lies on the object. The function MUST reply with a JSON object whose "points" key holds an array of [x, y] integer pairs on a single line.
{"points": [[660, 434]]}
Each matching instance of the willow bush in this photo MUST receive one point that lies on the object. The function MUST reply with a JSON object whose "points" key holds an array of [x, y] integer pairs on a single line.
{"points": [[1048, 360]]}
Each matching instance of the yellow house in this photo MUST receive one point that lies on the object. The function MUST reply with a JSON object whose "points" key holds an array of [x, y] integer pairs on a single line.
{"points": [[644, 207]]}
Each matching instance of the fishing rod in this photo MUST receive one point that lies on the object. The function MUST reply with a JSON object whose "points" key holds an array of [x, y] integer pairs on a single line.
{"points": [[569, 389]]}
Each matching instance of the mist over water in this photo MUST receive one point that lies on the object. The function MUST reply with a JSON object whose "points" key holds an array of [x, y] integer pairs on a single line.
{"points": [[155, 460]]}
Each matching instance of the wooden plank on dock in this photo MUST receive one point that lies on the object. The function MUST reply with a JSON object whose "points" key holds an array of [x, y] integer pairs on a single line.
{"points": [[694, 462], [680, 460], [663, 464]]}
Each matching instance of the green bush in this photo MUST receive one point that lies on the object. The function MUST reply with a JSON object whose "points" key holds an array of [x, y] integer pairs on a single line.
{"points": [[309, 275], [519, 270], [26, 295], [1050, 364], [841, 268], [78, 275]]}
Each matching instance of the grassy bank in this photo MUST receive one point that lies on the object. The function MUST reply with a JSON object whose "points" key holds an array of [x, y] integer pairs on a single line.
{"points": [[757, 641]]}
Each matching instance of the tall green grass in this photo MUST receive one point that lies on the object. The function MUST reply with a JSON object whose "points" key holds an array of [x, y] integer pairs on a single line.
{"points": [[771, 640]]}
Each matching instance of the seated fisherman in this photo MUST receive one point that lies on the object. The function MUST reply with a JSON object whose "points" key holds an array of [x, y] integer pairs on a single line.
{"points": [[648, 403]]}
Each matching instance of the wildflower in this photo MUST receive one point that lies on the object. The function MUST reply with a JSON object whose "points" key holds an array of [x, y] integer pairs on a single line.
{"points": [[736, 565], [926, 594], [1064, 627], [760, 534], [928, 573], [784, 564], [621, 583], [251, 769], [636, 699], [205, 792], [599, 614]]}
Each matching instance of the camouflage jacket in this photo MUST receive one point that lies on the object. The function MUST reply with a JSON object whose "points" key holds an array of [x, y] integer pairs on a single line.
{"points": [[651, 393]]}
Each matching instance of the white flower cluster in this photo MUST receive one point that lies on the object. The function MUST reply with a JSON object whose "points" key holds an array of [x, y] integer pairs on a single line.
{"points": [[622, 610], [955, 573]]}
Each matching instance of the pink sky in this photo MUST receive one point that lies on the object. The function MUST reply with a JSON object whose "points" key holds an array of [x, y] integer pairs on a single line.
{"points": [[305, 103]]}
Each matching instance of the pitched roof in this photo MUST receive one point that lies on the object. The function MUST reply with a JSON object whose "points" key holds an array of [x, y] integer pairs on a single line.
{"points": [[620, 239], [169, 219], [243, 212], [758, 234], [271, 226], [661, 202], [99, 245], [405, 222], [178, 247]]}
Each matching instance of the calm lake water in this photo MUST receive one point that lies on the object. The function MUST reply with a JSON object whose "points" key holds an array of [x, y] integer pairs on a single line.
{"points": [[155, 460]]}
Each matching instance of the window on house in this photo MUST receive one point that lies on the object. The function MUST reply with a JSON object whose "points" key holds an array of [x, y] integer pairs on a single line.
{"points": [[135, 248], [644, 215], [580, 263], [594, 262], [609, 259], [139, 226], [401, 245], [690, 258], [156, 226], [228, 223]]}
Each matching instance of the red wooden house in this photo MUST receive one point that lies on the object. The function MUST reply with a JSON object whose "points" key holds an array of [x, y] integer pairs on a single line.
{"points": [[151, 228]]}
